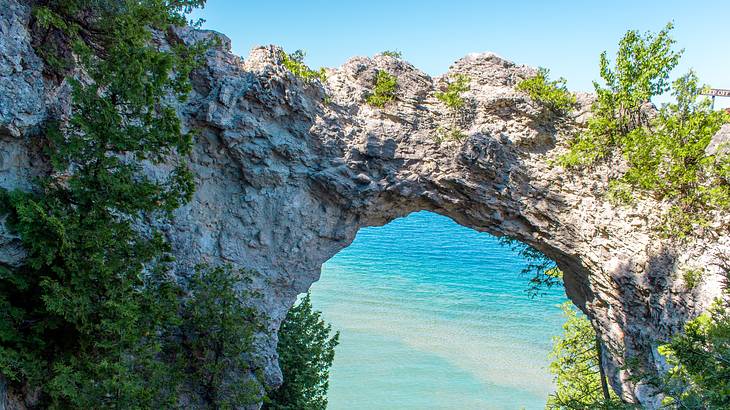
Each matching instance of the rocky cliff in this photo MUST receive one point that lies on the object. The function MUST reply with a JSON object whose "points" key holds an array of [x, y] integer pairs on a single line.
{"points": [[288, 171]]}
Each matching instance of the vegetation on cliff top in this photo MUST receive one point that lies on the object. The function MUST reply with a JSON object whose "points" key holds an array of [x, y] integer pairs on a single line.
{"points": [[392, 53], [552, 94], [664, 149], [455, 102], [383, 93], [294, 62], [452, 97]]}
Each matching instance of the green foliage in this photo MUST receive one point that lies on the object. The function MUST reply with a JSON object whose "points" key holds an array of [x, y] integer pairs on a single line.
{"points": [[670, 158], [392, 53], [678, 223], [542, 271], [294, 62], [700, 377], [306, 352], [79, 317], [94, 25], [553, 94], [620, 192], [454, 101], [642, 68], [641, 71], [692, 277], [449, 134], [386, 85], [452, 96], [575, 367], [666, 152], [700, 360], [216, 336]]}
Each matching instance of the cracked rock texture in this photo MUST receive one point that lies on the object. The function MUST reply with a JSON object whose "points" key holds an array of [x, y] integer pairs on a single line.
{"points": [[288, 171]]}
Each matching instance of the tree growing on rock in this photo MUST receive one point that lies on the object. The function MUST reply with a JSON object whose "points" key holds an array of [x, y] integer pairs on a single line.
{"points": [[80, 320], [306, 352], [577, 369], [552, 94], [384, 91], [665, 149], [700, 360]]}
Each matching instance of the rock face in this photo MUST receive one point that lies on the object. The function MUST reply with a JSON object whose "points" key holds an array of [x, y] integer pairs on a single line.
{"points": [[288, 171], [720, 143]]}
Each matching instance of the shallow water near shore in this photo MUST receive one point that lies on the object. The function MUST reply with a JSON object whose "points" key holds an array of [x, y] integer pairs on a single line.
{"points": [[434, 315]]}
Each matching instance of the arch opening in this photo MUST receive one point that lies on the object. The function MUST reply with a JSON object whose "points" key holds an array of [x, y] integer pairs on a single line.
{"points": [[434, 313]]}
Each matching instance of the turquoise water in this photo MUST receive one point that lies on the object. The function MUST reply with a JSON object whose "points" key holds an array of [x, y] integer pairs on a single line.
{"points": [[434, 316]]}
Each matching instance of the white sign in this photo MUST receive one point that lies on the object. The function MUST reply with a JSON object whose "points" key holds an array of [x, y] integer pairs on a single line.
{"points": [[717, 92]]}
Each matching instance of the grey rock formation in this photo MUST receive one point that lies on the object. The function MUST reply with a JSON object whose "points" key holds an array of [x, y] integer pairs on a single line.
{"points": [[286, 177], [21, 89], [720, 143]]}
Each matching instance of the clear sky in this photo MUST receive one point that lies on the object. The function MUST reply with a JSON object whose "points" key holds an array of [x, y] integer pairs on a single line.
{"points": [[564, 36]]}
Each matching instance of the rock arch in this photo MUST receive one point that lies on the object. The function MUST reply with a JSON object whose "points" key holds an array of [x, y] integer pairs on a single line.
{"points": [[288, 171]]}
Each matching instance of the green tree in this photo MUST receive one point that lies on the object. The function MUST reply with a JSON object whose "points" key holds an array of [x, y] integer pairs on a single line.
{"points": [[306, 352], [577, 368], [700, 360], [664, 150], [669, 157], [641, 71], [81, 318], [215, 339]]}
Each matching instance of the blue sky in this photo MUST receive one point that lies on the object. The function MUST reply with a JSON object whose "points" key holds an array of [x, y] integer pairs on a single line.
{"points": [[564, 36]]}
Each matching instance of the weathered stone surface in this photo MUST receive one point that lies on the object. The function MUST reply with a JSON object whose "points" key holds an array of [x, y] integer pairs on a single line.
{"points": [[22, 92], [720, 143], [286, 177]]}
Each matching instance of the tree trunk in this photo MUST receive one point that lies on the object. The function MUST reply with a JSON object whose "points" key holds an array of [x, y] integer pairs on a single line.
{"points": [[604, 384]]}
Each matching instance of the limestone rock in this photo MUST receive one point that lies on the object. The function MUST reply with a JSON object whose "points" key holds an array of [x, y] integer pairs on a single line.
{"points": [[22, 91], [720, 143]]}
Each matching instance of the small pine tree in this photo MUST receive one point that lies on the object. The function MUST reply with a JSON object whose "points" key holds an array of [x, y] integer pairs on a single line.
{"points": [[215, 340], [306, 352]]}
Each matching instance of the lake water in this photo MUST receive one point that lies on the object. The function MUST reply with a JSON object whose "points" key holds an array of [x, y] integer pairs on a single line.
{"points": [[434, 315]]}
